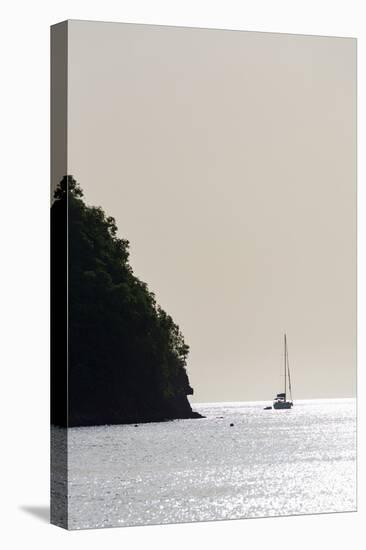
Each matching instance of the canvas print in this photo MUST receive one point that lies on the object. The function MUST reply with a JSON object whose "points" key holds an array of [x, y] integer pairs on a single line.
{"points": [[203, 228]]}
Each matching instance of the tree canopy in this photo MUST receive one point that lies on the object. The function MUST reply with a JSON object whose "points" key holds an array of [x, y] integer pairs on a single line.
{"points": [[126, 356]]}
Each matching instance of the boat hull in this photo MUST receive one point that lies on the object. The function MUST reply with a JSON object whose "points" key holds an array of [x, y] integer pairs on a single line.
{"points": [[284, 405]]}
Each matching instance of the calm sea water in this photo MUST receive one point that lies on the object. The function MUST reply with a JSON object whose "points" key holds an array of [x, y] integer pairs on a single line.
{"points": [[270, 463]]}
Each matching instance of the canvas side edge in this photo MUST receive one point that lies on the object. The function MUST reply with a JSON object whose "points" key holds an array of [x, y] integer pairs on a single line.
{"points": [[59, 267]]}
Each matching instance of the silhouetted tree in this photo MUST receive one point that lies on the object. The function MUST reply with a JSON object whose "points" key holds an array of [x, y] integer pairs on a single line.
{"points": [[126, 355]]}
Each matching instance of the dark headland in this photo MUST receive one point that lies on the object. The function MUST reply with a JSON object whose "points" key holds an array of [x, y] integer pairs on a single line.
{"points": [[126, 356]]}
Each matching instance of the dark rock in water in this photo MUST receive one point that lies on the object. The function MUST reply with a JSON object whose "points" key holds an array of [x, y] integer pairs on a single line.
{"points": [[162, 411]]}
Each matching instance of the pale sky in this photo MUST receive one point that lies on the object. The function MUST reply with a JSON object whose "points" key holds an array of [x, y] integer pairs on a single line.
{"points": [[228, 159]]}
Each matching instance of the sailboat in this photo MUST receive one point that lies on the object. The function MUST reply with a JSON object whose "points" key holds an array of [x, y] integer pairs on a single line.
{"points": [[280, 401]]}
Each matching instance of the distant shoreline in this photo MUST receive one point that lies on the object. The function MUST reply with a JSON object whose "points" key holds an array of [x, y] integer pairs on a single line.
{"points": [[299, 401]]}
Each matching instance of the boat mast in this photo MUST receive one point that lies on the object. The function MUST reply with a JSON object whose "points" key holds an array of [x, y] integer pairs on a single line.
{"points": [[285, 357], [288, 372]]}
